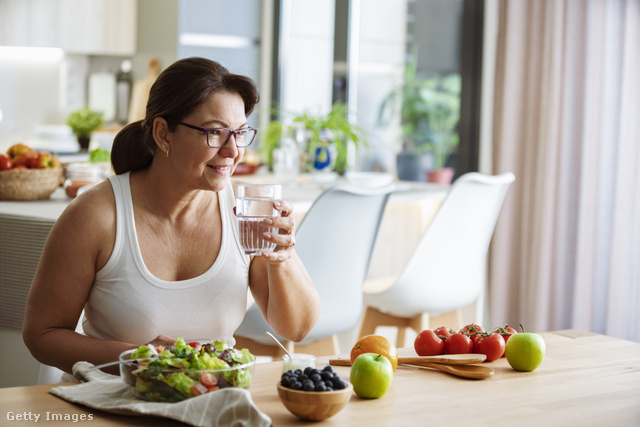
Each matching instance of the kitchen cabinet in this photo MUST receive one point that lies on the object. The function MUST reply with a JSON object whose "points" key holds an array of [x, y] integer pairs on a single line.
{"points": [[89, 27]]}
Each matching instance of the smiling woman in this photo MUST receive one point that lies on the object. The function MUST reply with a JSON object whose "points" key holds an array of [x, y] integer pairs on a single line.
{"points": [[155, 248]]}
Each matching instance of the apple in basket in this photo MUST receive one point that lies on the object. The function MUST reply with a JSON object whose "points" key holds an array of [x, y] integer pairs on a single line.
{"points": [[21, 155]]}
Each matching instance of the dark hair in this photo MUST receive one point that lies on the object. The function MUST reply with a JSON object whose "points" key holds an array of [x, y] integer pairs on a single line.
{"points": [[177, 92]]}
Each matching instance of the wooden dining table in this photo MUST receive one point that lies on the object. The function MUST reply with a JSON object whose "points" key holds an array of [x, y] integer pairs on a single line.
{"points": [[586, 379]]}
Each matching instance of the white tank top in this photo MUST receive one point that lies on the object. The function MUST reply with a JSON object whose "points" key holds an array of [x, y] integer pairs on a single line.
{"points": [[128, 303]]}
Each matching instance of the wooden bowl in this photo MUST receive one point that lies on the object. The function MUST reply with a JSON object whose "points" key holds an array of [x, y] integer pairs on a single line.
{"points": [[314, 405]]}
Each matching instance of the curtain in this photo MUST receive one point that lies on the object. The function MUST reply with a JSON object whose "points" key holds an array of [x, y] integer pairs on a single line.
{"points": [[566, 249]]}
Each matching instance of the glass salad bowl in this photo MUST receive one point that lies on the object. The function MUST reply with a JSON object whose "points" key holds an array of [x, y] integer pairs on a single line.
{"points": [[182, 371]]}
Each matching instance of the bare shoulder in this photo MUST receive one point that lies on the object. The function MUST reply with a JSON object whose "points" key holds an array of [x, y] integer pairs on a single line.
{"points": [[94, 205], [89, 220]]}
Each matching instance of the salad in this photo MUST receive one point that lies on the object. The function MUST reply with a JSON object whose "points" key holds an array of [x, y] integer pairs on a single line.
{"points": [[185, 370]]}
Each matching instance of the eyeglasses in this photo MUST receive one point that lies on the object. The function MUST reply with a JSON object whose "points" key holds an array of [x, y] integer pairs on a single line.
{"points": [[218, 137]]}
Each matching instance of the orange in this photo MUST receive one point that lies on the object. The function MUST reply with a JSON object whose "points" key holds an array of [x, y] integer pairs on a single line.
{"points": [[375, 344]]}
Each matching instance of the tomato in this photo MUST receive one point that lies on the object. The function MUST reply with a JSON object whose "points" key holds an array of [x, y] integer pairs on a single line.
{"points": [[208, 379], [442, 331], [195, 345], [197, 389], [491, 345], [472, 330], [5, 163], [427, 343], [506, 332], [458, 343]]}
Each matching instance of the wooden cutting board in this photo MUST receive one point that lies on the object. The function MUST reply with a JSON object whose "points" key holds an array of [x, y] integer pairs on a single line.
{"points": [[140, 91]]}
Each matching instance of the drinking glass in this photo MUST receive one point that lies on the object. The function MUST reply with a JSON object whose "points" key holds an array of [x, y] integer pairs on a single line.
{"points": [[254, 204], [298, 361]]}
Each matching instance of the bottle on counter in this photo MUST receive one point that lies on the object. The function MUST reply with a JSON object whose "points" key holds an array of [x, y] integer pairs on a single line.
{"points": [[123, 91]]}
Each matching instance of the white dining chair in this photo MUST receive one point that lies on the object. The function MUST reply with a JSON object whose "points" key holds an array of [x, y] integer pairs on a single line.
{"points": [[335, 241], [447, 270]]}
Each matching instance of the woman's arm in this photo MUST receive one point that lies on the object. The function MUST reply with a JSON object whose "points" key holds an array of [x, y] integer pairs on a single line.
{"points": [[79, 244], [281, 286]]}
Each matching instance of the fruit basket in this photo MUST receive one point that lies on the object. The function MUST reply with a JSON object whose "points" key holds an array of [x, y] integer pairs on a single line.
{"points": [[29, 184]]}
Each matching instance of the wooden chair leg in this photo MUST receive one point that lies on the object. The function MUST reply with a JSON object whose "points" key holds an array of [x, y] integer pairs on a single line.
{"points": [[369, 323], [451, 319], [259, 349], [402, 330], [323, 347]]}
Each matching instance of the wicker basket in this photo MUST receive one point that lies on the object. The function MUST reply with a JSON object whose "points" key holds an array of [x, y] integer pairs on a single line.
{"points": [[29, 184]]}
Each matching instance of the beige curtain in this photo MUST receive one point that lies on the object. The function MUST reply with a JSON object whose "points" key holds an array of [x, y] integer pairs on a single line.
{"points": [[566, 250]]}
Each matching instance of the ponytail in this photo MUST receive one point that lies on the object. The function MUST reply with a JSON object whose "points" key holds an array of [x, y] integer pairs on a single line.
{"points": [[131, 150]]}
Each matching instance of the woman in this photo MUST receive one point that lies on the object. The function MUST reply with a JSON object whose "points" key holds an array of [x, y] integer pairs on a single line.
{"points": [[152, 253]]}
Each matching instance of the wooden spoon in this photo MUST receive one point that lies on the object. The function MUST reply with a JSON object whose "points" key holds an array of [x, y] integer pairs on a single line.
{"points": [[446, 359], [474, 372]]}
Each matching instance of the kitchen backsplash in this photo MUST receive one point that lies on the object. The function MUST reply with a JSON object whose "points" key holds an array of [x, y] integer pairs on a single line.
{"points": [[41, 87]]}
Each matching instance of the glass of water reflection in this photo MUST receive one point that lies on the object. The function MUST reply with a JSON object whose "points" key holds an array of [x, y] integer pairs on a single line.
{"points": [[254, 204]]}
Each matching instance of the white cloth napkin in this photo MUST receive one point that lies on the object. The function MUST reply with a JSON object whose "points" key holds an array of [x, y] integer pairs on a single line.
{"points": [[226, 407]]}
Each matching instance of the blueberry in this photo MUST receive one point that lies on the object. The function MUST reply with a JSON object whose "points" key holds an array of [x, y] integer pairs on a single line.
{"points": [[339, 385], [321, 387], [308, 386], [315, 377], [328, 368], [296, 385], [285, 382]]}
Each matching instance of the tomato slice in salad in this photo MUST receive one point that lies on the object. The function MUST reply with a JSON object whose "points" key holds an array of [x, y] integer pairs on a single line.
{"points": [[198, 389], [208, 379], [195, 345]]}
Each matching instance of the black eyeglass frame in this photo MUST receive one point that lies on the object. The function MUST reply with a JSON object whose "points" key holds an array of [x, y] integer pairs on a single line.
{"points": [[231, 132]]}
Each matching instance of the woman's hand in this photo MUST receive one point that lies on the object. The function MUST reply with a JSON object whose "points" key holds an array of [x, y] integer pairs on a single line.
{"points": [[285, 239]]}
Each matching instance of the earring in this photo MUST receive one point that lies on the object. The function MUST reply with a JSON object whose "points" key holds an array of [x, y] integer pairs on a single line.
{"points": [[166, 150]]}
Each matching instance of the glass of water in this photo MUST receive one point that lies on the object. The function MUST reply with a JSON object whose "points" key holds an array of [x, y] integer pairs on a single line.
{"points": [[254, 204]]}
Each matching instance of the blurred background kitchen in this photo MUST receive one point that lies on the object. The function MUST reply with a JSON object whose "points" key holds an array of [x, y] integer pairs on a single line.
{"points": [[58, 56]]}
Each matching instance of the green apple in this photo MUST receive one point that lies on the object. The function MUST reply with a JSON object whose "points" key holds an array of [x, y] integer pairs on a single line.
{"points": [[371, 375], [525, 351]]}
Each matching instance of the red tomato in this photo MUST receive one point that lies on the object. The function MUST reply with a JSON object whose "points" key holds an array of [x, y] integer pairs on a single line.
{"points": [[506, 332], [458, 344], [472, 330], [491, 345], [197, 389], [427, 343], [5, 163], [208, 379], [195, 345], [442, 331]]}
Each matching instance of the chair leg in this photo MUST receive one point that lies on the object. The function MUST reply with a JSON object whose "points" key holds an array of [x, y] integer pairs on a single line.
{"points": [[259, 349], [369, 323], [402, 330], [451, 319], [323, 347]]}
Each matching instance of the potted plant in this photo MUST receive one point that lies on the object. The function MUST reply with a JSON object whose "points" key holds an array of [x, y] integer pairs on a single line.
{"points": [[332, 129], [429, 110], [83, 122]]}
